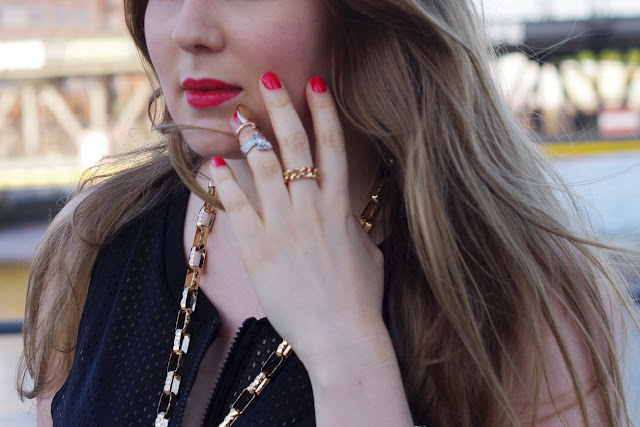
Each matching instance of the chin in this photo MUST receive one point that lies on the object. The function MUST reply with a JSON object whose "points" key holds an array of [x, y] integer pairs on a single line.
{"points": [[210, 144]]}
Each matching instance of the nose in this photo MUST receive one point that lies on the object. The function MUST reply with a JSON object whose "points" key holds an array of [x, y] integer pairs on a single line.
{"points": [[196, 27]]}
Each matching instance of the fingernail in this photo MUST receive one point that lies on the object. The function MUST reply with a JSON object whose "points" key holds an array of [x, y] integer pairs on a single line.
{"points": [[218, 161], [242, 114], [271, 81], [318, 85]]}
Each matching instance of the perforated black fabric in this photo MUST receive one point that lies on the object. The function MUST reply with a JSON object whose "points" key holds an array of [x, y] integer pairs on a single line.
{"points": [[126, 330], [288, 399], [126, 333]]}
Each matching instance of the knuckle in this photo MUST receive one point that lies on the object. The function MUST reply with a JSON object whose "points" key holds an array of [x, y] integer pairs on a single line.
{"points": [[333, 138], [262, 252], [314, 216], [325, 102], [223, 181], [311, 215], [295, 141], [291, 233], [234, 203], [280, 100], [268, 167]]}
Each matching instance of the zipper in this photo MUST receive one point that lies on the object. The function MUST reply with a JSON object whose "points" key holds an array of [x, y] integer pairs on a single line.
{"points": [[211, 334], [212, 408]]}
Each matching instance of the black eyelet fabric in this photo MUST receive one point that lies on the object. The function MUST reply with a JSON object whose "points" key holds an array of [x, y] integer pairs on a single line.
{"points": [[126, 331], [286, 401]]}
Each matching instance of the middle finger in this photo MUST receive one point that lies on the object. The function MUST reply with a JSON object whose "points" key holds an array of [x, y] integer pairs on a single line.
{"points": [[291, 135]]}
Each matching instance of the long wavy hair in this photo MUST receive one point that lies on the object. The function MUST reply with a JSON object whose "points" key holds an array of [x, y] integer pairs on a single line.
{"points": [[486, 244]]}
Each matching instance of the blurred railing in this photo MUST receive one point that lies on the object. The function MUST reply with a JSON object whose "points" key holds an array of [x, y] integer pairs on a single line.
{"points": [[10, 327], [77, 103]]}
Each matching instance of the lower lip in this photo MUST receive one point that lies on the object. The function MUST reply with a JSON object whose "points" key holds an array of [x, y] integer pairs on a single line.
{"points": [[210, 99]]}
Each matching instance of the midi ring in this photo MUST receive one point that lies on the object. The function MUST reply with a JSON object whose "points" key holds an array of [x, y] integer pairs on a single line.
{"points": [[258, 141], [299, 173], [245, 125]]}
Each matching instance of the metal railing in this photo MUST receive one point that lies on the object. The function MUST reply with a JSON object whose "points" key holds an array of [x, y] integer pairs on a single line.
{"points": [[11, 327]]}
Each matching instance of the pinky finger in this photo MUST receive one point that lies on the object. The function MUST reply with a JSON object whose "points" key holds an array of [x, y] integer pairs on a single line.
{"points": [[244, 219]]}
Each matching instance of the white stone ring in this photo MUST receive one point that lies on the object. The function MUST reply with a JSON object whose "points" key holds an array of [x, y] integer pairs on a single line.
{"points": [[257, 140]]}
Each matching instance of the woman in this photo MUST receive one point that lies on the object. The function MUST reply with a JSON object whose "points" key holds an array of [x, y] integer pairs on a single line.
{"points": [[475, 300]]}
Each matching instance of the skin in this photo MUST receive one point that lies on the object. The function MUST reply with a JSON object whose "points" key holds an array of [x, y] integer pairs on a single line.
{"points": [[294, 253]]}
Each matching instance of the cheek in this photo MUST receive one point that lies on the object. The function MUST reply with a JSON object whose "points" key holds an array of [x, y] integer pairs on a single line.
{"points": [[158, 38], [296, 53], [300, 44]]}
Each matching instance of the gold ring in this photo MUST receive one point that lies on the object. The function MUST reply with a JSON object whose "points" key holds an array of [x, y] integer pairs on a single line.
{"points": [[299, 173], [244, 125]]}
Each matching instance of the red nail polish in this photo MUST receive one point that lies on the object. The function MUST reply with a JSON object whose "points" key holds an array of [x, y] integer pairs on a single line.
{"points": [[318, 85], [271, 81], [236, 118], [218, 161]]}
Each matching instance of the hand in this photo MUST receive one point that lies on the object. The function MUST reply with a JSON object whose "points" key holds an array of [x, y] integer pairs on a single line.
{"points": [[317, 274]]}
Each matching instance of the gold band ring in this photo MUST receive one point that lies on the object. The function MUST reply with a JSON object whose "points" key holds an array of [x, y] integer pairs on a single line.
{"points": [[299, 173], [244, 125]]}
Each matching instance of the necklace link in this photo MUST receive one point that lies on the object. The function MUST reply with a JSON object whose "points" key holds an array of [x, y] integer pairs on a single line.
{"points": [[269, 369], [182, 337]]}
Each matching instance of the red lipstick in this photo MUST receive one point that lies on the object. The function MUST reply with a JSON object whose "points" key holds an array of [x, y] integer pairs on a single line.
{"points": [[209, 93]]}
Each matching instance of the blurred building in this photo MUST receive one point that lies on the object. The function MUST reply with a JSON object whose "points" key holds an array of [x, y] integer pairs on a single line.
{"points": [[575, 80], [40, 19], [71, 91]]}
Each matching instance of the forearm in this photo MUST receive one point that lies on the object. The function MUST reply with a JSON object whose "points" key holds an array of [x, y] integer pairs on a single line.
{"points": [[360, 385]]}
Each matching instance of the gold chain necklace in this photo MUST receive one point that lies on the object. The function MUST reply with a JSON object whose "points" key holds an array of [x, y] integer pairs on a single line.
{"points": [[182, 337]]}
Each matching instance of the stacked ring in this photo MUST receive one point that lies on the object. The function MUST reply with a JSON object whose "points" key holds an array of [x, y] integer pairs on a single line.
{"points": [[245, 125], [300, 173], [258, 141]]}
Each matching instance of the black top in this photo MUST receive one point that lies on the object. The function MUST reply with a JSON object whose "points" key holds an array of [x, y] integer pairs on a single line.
{"points": [[126, 334]]}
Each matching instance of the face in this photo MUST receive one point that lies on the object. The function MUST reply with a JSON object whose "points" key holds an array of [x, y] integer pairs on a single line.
{"points": [[220, 49]]}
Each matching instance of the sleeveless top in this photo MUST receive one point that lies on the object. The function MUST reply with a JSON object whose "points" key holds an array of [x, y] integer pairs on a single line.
{"points": [[126, 333]]}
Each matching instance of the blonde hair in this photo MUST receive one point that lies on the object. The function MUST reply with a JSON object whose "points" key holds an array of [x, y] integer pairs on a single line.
{"points": [[483, 247]]}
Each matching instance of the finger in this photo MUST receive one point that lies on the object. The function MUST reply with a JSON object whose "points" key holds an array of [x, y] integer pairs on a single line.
{"points": [[244, 219], [330, 145], [267, 172], [292, 137]]}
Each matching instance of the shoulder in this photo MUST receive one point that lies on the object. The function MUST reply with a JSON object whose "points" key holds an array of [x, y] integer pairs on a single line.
{"points": [[571, 347]]}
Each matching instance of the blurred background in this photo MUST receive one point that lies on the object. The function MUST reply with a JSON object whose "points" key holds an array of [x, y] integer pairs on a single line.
{"points": [[72, 91]]}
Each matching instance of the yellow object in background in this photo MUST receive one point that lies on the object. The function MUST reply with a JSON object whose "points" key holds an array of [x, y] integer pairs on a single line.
{"points": [[557, 149], [13, 288]]}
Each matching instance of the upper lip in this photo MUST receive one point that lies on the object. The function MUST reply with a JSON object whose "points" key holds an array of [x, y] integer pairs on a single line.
{"points": [[208, 84]]}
